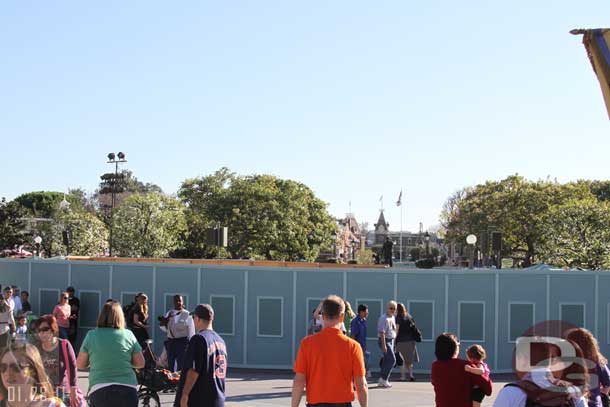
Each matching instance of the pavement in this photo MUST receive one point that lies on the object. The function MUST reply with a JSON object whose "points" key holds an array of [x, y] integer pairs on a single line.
{"points": [[251, 388]]}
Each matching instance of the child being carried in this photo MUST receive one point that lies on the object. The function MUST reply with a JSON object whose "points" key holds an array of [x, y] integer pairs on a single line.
{"points": [[476, 355]]}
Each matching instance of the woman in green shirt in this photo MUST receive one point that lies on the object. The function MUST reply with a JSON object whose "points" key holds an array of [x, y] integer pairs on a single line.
{"points": [[347, 320], [111, 352]]}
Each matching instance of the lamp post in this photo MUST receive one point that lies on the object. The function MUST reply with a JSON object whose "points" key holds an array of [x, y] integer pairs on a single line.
{"points": [[427, 239], [66, 233], [116, 160], [38, 241], [471, 240]]}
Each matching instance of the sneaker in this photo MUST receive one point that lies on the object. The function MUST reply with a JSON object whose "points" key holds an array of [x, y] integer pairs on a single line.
{"points": [[383, 383]]}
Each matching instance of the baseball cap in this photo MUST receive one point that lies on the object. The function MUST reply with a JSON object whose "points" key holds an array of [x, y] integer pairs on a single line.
{"points": [[204, 311]]}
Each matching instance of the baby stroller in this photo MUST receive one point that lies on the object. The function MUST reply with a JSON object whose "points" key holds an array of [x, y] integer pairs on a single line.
{"points": [[153, 379]]}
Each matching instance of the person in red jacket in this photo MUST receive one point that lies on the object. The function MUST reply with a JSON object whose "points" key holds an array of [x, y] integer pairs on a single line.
{"points": [[452, 384]]}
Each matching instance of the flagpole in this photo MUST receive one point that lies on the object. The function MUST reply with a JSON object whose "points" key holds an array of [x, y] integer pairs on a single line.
{"points": [[401, 232]]}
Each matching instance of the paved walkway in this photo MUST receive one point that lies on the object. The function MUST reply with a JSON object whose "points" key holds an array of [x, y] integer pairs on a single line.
{"points": [[247, 388]]}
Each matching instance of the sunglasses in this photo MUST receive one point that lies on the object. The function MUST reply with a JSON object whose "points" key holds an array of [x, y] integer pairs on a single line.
{"points": [[66, 298], [15, 368], [44, 329]]}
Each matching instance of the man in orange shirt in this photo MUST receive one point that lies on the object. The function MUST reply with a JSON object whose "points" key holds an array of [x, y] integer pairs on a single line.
{"points": [[329, 363]]}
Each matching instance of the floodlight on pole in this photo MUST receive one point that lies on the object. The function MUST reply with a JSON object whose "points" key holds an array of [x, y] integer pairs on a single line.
{"points": [[112, 159]]}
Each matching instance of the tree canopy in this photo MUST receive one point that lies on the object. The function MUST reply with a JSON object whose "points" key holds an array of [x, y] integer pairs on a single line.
{"points": [[520, 209], [44, 204], [12, 224], [148, 226], [268, 217]]}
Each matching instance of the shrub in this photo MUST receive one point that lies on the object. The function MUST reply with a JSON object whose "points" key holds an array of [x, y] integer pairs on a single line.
{"points": [[415, 253], [424, 263]]}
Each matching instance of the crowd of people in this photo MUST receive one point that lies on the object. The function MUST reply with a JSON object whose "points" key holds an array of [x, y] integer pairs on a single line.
{"points": [[38, 362], [554, 365], [397, 336]]}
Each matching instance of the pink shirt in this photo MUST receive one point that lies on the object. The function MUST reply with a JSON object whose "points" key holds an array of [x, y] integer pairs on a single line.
{"points": [[62, 313]]}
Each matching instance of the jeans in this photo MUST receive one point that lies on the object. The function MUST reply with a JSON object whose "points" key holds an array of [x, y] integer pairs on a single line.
{"points": [[5, 339], [389, 359], [367, 358], [63, 332], [115, 396], [176, 348]]}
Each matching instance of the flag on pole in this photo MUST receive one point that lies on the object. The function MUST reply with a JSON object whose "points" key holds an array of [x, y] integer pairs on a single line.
{"points": [[597, 43], [399, 202], [381, 198]]}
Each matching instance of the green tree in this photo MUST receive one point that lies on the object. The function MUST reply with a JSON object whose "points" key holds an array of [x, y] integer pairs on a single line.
{"points": [[81, 201], [125, 184], [268, 217], [125, 181], [205, 199], [89, 234], [12, 224], [514, 206], [148, 225], [577, 235], [365, 256], [43, 204], [415, 253]]}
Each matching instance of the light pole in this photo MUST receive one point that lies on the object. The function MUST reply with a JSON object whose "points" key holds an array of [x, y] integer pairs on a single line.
{"points": [[471, 240], [427, 239], [38, 241], [66, 233], [116, 160]]}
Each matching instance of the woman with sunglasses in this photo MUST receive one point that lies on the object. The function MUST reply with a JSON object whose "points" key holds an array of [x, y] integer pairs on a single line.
{"points": [[54, 353], [23, 381], [62, 312]]}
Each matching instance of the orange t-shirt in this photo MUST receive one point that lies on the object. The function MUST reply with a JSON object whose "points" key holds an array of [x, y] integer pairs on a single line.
{"points": [[329, 360]]}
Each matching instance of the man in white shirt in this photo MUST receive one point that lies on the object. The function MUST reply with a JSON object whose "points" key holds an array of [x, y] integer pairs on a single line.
{"points": [[386, 330], [7, 319], [179, 326], [16, 301]]}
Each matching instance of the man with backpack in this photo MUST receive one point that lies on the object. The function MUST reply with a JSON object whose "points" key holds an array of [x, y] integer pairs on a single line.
{"points": [[179, 326]]}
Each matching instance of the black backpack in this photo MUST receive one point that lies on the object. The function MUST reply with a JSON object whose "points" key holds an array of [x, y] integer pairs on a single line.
{"points": [[539, 397]]}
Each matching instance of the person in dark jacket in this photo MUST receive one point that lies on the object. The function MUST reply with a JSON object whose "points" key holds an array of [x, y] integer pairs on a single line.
{"points": [[406, 341], [74, 310]]}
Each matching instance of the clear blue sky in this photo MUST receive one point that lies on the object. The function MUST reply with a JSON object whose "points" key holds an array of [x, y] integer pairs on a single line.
{"points": [[355, 99]]}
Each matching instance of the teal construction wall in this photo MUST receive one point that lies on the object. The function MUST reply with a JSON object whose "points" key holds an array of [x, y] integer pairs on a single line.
{"points": [[262, 312]]}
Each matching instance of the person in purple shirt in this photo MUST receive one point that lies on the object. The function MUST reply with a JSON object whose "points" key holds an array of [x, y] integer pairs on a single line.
{"points": [[599, 376], [358, 333]]}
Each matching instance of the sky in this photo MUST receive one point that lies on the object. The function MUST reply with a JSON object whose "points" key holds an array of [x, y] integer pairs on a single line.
{"points": [[356, 99]]}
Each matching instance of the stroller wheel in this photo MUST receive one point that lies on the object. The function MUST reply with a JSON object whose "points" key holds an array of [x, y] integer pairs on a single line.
{"points": [[148, 398]]}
